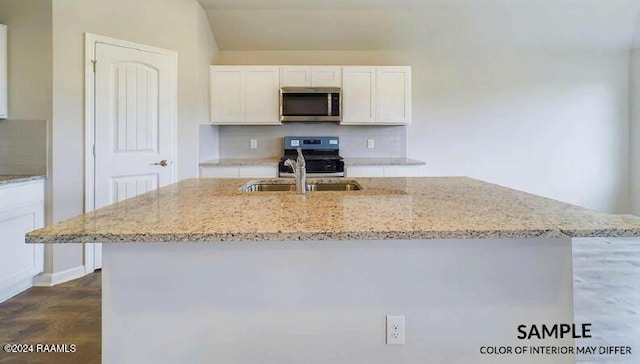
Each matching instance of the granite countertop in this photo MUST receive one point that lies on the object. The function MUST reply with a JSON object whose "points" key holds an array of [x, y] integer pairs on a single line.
{"points": [[213, 210], [13, 179], [382, 162], [234, 162]]}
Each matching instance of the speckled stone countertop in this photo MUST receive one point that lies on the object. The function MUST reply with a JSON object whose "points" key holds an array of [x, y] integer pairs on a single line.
{"points": [[213, 210], [382, 162], [234, 162], [6, 180]]}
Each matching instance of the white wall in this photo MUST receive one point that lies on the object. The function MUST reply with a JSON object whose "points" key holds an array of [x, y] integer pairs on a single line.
{"points": [[23, 135], [29, 57], [554, 124], [23, 147], [206, 134], [180, 25], [30, 83], [635, 131]]}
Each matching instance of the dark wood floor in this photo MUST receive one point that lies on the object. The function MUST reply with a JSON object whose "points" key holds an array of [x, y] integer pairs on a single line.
{"points": [[69, 313]]}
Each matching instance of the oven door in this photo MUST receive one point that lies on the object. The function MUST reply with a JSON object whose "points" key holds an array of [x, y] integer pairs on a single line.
{"points": [[310, 104]]}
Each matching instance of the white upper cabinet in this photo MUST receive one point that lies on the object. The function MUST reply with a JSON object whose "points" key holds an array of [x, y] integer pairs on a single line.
{"points": [[315, 76], [376, 95], [326, 76], [227, 94], [3, 72], [244, 95], [358, 95], [393, 94], [371, 95], [295, 76], [262, 95]]}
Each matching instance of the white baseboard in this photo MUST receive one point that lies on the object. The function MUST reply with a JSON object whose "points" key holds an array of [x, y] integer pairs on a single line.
{"points": [[13, 289], [51, 279]]}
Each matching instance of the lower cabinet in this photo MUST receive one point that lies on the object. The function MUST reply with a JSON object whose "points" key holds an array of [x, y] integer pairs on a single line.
{"points": [[383, 171], [239, 172], [21, 211]]}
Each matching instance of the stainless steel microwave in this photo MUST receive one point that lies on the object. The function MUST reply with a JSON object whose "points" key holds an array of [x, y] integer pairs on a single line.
{"points": [[310, 104]]}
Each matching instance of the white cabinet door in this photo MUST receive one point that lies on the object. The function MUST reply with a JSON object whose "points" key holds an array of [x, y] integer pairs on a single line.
{"points": [[227, 94], [326, 76], [393, 94], [3, 72], [219, 172], [306, 76], [258, 171], [21, 211], [261, 90], [403, 171], [364, 171], [358, 94], [376, 95], [295, 76], [244, 95]]}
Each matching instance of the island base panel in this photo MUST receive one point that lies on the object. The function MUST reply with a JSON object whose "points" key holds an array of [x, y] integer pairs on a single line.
{"points": [[325, 302]]}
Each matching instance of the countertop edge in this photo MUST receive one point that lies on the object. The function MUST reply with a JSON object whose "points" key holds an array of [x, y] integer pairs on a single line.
{"points": [[21, 179], [325, 236]]}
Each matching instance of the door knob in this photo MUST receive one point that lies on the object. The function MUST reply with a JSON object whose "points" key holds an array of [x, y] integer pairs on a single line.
{"points": [[163, 163]]}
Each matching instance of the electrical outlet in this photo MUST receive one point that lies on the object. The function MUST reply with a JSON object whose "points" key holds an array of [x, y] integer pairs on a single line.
{"points": [[371, 143], [254, 143], [395, 330]]}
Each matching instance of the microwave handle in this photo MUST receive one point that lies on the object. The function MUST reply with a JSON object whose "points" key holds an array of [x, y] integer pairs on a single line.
{"points": [[329, 110]]}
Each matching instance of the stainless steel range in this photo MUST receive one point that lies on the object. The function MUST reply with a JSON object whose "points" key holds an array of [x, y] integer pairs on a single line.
{"points": [[321, 155]]}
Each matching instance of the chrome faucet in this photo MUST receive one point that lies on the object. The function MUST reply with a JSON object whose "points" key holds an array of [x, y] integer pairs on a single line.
{"points": [[299, 172]]}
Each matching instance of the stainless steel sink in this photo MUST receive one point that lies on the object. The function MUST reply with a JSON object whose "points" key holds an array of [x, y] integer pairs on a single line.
{"points": [[289, 185], [334, 186], [255, 187]]}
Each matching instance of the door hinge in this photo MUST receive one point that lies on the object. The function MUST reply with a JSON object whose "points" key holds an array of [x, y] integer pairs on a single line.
{"points": [[94, 150], [94, 65]]}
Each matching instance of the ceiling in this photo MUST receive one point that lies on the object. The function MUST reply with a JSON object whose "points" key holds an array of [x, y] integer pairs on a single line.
{"points": [[423, 24]]}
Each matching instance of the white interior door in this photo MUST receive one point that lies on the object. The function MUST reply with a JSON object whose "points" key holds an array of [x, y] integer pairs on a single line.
{"points": [[135, 140]]}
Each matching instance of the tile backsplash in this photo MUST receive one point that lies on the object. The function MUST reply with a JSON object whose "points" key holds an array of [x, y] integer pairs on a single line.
{"points": [[235, 141], [23, 146]]}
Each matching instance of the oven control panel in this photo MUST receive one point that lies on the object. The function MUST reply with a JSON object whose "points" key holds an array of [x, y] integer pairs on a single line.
{"points": [[313, 143]]}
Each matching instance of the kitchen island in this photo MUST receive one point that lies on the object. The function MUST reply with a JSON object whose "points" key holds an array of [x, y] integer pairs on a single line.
{"points": [[201, 272]]}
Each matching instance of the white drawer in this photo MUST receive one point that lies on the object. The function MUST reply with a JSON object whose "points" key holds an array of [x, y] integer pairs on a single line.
{"points": [[21, 194], [403, 171], [219, 172], [364, 171], [258, 171]]}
